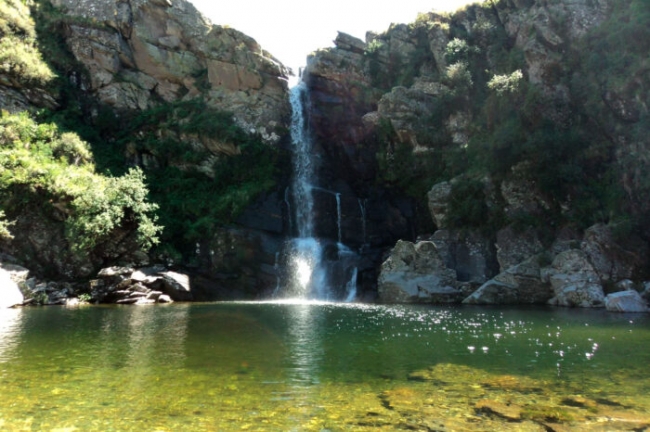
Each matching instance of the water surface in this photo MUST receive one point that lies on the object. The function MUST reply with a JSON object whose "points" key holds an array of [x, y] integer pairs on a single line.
{"points": [[274, 366]]}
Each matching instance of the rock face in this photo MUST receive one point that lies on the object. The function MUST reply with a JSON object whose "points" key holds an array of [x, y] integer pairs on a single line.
{"points": [[470, 254], [409, 95], [415, 273], [10, 294], [138, 52], [520, 284], [575, 281]]}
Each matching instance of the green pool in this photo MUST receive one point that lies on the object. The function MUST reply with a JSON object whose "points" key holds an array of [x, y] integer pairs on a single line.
{"points": [[322, 367]]}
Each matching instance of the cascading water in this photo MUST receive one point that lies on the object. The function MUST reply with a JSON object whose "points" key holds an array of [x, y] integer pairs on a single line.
{"points": [[305, 252], [309, 275]]}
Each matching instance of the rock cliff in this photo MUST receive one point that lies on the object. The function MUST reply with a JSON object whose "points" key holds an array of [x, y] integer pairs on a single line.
{"points": [[139, 53], [521, 119], [151, 84]]}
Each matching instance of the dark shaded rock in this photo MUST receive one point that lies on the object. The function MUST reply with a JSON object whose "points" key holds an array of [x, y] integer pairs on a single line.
{"points": [[470, 253], [610, 259]]}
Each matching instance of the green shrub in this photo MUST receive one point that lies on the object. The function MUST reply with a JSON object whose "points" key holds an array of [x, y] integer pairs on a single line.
{"points": [[23, 61], [35, 160], [5, 234]]}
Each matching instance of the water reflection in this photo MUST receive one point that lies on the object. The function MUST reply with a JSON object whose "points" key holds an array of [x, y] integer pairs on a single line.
{"points": [[305, 350], [10, 332]]}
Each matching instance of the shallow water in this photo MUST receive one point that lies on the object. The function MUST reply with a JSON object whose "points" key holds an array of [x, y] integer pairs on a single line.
{"points": [[278, 366]]}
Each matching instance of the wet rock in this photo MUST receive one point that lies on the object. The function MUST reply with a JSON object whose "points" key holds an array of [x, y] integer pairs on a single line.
{"points": [[626, 301], [574, 281], [415, 273], [521, 284]]}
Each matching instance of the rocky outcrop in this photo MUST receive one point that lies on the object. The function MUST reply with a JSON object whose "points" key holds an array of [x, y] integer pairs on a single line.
{"points": [[470, 254], [575, 281], [520, 284], [124, 285], [10, 294], [438, 198], [628, 301], [139, 52], [611, 260], [514, 246], [415, 273]]}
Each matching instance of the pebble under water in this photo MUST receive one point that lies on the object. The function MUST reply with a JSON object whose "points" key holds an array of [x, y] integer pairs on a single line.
{"points": [[322, 367]]}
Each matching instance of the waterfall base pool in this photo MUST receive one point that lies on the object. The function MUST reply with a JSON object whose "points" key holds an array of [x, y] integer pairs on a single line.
{"points": [[322, 367]]}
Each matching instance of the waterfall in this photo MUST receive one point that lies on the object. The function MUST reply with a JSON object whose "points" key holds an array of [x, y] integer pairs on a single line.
{"points": [[351, 286], [338, 216], [362, 206], [313, 268], [288, 203], [303, 167], [308, 278]]}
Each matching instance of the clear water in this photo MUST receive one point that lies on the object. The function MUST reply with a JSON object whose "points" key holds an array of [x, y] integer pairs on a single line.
{"points": [[321, 367]]}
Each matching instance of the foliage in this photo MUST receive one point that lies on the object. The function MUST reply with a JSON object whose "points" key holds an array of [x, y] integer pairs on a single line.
{"points": [[506, 83], [459, 51], [458, 77], [197, 189], [5, 234], [466, 205], [35, 160], [19, 56], [15, 19]]}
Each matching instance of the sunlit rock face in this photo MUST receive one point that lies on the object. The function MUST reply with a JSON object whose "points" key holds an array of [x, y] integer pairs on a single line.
{"points": [[139, 52], [10, 294], [415, 273]]}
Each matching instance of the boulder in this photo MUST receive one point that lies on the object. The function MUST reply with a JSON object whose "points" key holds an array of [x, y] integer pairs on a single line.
{"points": [[521, 284], [125, 285], [415, 273], [17, 273], [626, 301], [574, 280], [176, 285], [10, 294]]}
